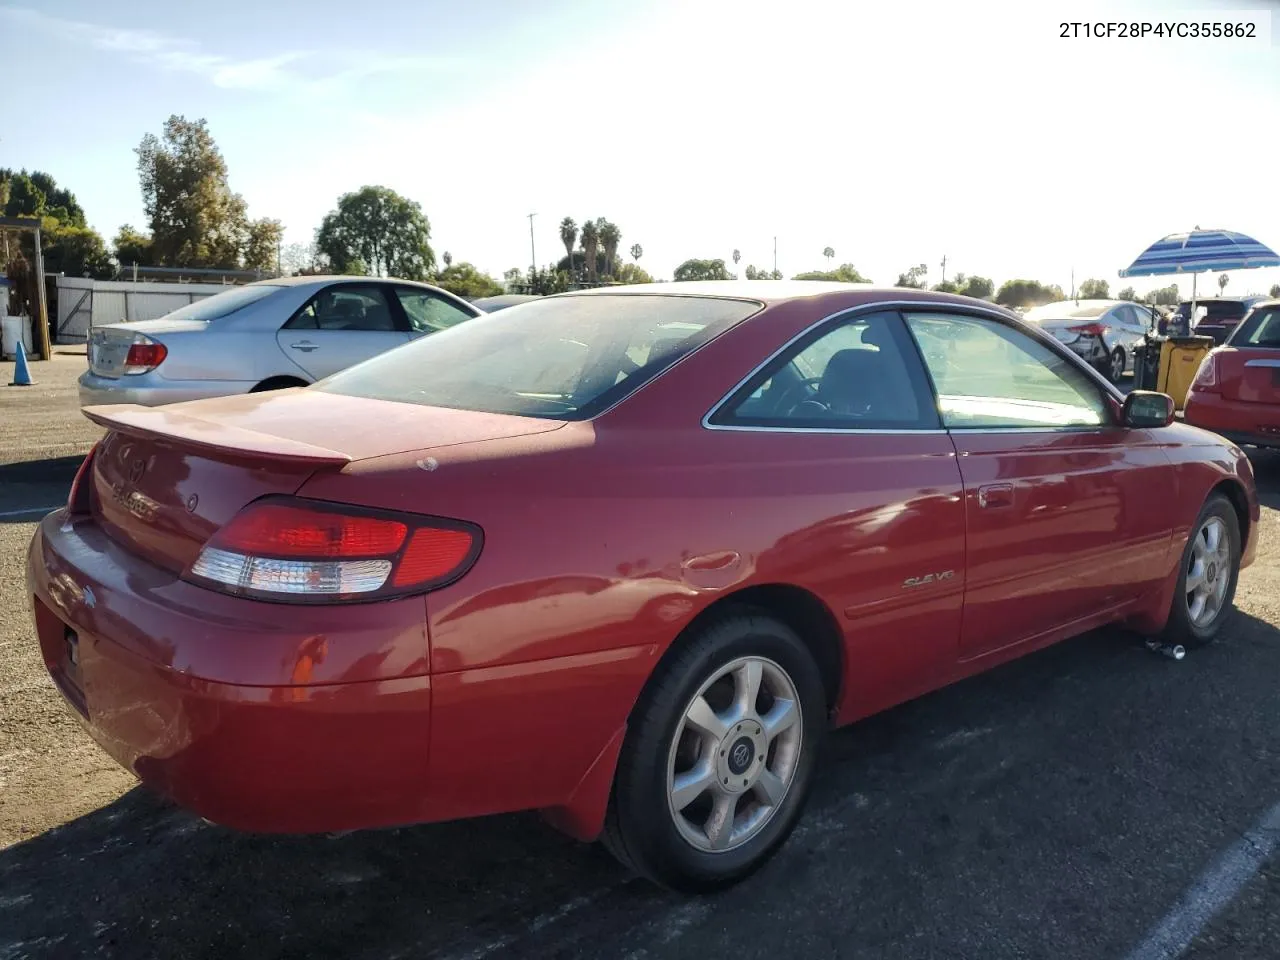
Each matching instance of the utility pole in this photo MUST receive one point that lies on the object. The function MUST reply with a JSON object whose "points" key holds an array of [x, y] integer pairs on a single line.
{"points": [[775, 254], [533, 253], [944, 268], [279, 251]]}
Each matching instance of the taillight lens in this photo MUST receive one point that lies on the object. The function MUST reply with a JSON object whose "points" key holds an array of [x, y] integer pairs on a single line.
{"points": [[79, 500], [1207, 376], [308, 551], [144, 355], [1089, 329]]}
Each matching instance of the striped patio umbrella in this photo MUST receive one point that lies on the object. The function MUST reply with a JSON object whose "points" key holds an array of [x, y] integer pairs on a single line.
{"points": [[1200, 251]]}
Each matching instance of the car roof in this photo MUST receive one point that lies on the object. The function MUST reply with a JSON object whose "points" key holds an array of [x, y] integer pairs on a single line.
{"points": [[779, 291], [323, 278]]}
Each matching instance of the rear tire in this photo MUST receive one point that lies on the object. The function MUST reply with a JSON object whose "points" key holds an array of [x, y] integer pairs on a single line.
{"points": [[712, 779], [1115, 365], [1207, 575]]}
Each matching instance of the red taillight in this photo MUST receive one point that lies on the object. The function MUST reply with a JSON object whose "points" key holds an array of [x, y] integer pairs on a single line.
{"points": [[79, 500], [144, 355], [314, 552], [1207, 376], [1089, 329]]}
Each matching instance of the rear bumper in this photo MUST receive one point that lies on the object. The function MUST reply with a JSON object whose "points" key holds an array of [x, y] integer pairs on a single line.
{"points": [[212, 701], [1255, 424], [152, 390]]}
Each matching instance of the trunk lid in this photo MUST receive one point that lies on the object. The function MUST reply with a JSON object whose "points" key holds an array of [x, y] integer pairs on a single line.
{"points": [[166, 478], [1250, 374]]}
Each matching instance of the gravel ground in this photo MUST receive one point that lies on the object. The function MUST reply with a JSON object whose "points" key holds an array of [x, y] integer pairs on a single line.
{"points": [[1057, 807]]}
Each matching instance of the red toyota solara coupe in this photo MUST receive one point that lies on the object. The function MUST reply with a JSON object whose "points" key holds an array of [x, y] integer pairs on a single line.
{"points": [[1236, 391], [621, 556]]}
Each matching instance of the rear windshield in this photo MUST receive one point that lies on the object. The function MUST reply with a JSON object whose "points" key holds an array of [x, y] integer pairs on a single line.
{"points": [[223, 304], [563, 358], [1260, 329]]}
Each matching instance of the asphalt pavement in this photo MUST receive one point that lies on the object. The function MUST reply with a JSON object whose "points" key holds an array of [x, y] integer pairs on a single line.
{"points": [[1093, 800]]}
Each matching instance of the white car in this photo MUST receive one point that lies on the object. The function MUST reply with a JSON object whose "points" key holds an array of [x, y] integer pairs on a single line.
{"points": [[268, 335], [1103, 332]]}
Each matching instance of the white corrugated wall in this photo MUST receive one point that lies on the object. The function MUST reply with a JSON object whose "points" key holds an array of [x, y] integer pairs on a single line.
{"points": [[83, 303]]}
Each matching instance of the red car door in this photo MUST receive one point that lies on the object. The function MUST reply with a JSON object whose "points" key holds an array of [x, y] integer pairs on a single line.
{"points": [[1067, 513], [846, 484]]}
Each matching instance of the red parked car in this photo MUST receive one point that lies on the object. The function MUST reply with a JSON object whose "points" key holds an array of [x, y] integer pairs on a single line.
{"points": [[621, 556], [1236, 392]]}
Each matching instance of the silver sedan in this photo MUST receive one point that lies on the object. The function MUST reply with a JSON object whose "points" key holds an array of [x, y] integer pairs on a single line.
{"points": [[1103, 332], [268, 335]]}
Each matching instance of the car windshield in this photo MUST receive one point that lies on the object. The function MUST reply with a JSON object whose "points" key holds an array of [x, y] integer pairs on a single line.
{"points": [[563, 358], [1260, 329], [224, 304]]}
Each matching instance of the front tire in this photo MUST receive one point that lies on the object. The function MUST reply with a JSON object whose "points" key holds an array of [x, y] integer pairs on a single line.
{"points": [[719, 755], [1210, 567]]}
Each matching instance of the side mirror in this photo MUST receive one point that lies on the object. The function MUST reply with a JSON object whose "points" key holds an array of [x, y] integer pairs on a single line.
{"points": [[1143, 409]]}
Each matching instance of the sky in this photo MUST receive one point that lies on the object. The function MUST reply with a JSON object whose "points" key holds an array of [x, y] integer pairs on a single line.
{"points": [[896, 133]]}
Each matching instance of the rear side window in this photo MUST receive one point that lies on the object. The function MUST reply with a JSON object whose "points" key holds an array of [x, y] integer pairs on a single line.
{"points": [[1260, 329], [562, 358], [349, 307]]}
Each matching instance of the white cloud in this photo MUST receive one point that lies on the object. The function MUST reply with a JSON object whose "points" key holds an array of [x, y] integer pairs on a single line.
{"points": [[323, 73]]}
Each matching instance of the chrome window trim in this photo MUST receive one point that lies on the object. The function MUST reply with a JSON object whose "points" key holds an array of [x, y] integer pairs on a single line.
{"points": [[992, 313], [1263, 362]]}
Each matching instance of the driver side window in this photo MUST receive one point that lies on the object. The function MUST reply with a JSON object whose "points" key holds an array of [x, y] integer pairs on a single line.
{"points": [[851, 375]]}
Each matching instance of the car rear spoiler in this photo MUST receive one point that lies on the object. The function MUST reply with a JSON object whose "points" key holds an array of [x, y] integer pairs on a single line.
{"points": [[218, 441]]}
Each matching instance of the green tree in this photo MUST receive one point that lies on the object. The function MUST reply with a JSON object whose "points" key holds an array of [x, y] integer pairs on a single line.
{"points": [[25, 199], [1094, 290], [590, 247], [637, 252], [196, 220], [845, 273], [466, 281], [1165, 296], [546, 282], [702, 270], [133, 246], [576, 267], [375, 231], [737, 255], [980, 288], [913, 278], [1027, 293], [830, 254], [1275, 290], [1222, 283], [514, 275], [262, 245], [299, 260], [1128, 293], [75, 251], [610, 237], [59, 203], [568, 236], [632, 273], [447, 259]]}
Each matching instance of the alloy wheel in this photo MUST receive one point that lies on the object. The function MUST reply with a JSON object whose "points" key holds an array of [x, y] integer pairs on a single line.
{"points": [[1208, 572], [734, 755]]}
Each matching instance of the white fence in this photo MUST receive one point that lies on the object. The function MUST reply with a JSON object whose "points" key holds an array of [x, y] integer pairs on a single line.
{"points": [[84, 304]]}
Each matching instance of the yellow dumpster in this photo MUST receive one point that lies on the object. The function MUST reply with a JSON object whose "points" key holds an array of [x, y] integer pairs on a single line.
{"points": [[1179, 360]]}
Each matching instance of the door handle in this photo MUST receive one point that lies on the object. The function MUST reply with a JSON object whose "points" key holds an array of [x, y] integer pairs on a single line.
{"points": [[996, 495], [306, 346]]}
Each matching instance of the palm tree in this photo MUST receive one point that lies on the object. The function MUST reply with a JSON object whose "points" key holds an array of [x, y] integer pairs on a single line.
{"points": [[637, 252], [610, 237], [737, 255], [1222, 283], [569, 236], [590, 243], [829, 254], [448, 259]]}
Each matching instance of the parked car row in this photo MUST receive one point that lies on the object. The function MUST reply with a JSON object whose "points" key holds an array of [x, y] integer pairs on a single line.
{"points": [[621, 556], [1102, 332]]}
